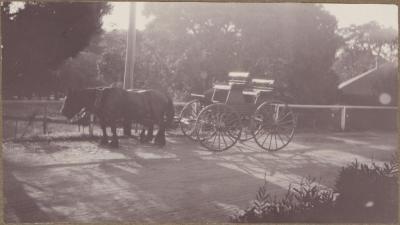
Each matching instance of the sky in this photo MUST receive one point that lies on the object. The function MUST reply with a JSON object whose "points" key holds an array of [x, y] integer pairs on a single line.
{"points": [[346, 14]]}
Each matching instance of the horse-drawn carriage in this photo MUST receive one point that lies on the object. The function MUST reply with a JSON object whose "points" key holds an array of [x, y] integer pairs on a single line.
{"points": [[240, 110]]}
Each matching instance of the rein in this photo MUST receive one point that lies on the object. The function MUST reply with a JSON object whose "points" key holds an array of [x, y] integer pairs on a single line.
{"points": [[80, 116], [89, 108]]}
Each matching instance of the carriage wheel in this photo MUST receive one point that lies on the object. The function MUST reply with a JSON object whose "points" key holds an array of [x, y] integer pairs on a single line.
{"points": [[218, 127], [188, 118], [274, 124]]}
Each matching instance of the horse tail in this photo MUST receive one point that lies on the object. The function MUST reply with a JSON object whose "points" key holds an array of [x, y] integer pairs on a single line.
{"points": [[170, 112]]}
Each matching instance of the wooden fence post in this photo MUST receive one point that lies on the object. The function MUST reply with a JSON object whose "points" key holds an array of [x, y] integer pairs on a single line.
{"points": [[343, 119]]}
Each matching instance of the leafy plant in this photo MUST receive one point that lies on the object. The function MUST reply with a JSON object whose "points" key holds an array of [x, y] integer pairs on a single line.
{"points": [[368, 193], [299, 204], [362, 193]]}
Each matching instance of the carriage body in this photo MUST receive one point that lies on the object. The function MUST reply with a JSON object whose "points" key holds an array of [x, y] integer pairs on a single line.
{"points": [[239, 110]]}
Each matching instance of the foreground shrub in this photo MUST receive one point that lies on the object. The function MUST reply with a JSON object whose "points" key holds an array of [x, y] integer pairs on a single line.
{"points": [[308, 200], [368, 193], [362, 193]]}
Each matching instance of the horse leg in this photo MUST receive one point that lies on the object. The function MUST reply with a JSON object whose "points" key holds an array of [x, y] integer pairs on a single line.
{"points": [[143, 135], [104, 139], [127, 128], [114, 142], [150, 135], [160, 137]]}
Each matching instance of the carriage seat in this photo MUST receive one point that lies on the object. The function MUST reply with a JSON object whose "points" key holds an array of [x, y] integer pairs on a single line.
{"points": [[222, 86], [238, 77], [262, 85], [231, 92]]}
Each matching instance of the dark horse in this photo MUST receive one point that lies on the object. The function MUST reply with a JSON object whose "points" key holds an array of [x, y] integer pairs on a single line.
{"points": [[111, 105]]}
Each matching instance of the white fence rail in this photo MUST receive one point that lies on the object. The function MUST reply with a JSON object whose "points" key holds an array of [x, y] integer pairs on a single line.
{"points": [[47, 111], [343, 109]]}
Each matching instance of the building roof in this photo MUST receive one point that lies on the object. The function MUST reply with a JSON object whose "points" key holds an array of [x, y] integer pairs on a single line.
{"points": [[364, 83], [354, 79]]}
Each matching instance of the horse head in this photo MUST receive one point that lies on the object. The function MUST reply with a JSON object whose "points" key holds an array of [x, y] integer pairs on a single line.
{"points": [[73, 104]]}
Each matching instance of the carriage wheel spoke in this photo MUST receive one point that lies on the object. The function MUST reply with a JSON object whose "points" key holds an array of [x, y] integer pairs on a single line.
{"points": [[287, 136], [280, 137], [266, 137], [282, 118], [229, 136], [215, 137], [224, 140], [270, 141], [219, 140], [260, 132], [286, 123], [262, 129], [287, 116], [286, 127]]}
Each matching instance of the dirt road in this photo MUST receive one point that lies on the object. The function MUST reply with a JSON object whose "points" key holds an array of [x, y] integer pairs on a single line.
{"points": [[78, 181]]}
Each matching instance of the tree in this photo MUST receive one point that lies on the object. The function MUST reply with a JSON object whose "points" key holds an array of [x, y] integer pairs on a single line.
{"points": [[40, 36], [100, 63], [294, 44], [362, 46], [79, 72], [112, 61], [189, 39]]}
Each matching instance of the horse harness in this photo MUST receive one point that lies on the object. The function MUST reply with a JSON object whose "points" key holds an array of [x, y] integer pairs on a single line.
{"points": [[147, 112], [141, 102]]}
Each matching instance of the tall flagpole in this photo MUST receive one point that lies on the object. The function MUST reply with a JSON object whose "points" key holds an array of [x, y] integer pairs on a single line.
{"points": [[130, 48]]}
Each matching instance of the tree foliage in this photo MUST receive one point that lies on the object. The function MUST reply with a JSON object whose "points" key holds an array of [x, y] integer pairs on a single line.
{"points": [[40, 36], [112, 60], [188, 46], [363, 45], [294, 44], [79, 72]]}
